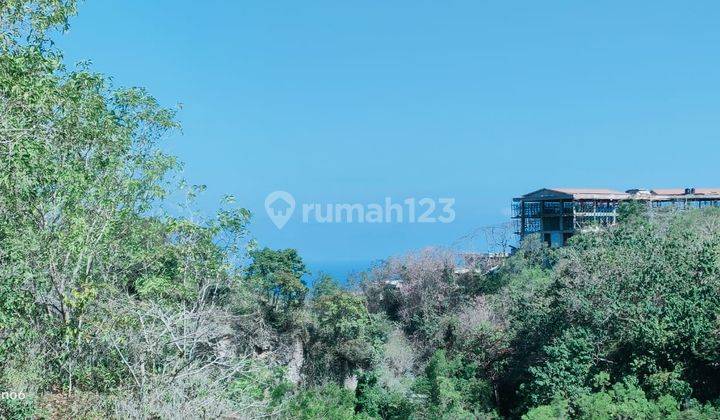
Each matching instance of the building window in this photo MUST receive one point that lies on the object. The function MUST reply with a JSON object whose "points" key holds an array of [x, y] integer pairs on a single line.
{"points": [[584, 206], [551, 207], [532, 209], [551, 223], [532, 225]]}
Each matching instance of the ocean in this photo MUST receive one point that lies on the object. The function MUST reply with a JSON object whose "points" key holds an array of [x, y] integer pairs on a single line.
{"points": [[339, 270]]}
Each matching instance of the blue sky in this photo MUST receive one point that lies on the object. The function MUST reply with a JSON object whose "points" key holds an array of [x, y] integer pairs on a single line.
{"points": [[481, 101]]}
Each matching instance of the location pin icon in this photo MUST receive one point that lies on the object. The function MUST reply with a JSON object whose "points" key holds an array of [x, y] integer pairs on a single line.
{"points": [[280, 206]]}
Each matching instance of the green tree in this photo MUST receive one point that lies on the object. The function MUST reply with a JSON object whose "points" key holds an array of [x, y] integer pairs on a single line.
{"points": [[453, 389], [277, 275], [344, 336], [327, 402], [376, 401], [566, 370], [101, 290]]}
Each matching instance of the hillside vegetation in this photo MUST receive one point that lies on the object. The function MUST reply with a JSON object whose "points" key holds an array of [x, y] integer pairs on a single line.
{"points": [[113, 307]]}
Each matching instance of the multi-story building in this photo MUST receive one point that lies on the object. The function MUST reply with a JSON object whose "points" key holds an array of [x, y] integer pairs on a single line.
{"points": [[557, 213]]}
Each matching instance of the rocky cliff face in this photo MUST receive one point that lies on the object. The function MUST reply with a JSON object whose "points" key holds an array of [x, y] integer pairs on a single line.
{"points": [[297, 358]]}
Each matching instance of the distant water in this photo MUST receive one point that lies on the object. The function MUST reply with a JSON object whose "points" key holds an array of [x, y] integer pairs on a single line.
{"points": [[339, 270]]}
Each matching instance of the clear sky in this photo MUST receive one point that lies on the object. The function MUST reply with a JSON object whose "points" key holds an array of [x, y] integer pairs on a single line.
{"points": [[338, 101]]}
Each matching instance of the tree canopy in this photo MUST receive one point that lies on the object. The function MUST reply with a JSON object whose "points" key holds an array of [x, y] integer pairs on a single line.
{"points": [[113, 306]]}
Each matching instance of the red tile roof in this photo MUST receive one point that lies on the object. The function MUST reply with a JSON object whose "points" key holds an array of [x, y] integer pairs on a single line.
{"points": [[681, 191], [587, 191]]}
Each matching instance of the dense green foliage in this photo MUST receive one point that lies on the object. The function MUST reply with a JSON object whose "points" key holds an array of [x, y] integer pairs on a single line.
{"points": [[622, 323], [111, 306], [276, 276]]}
